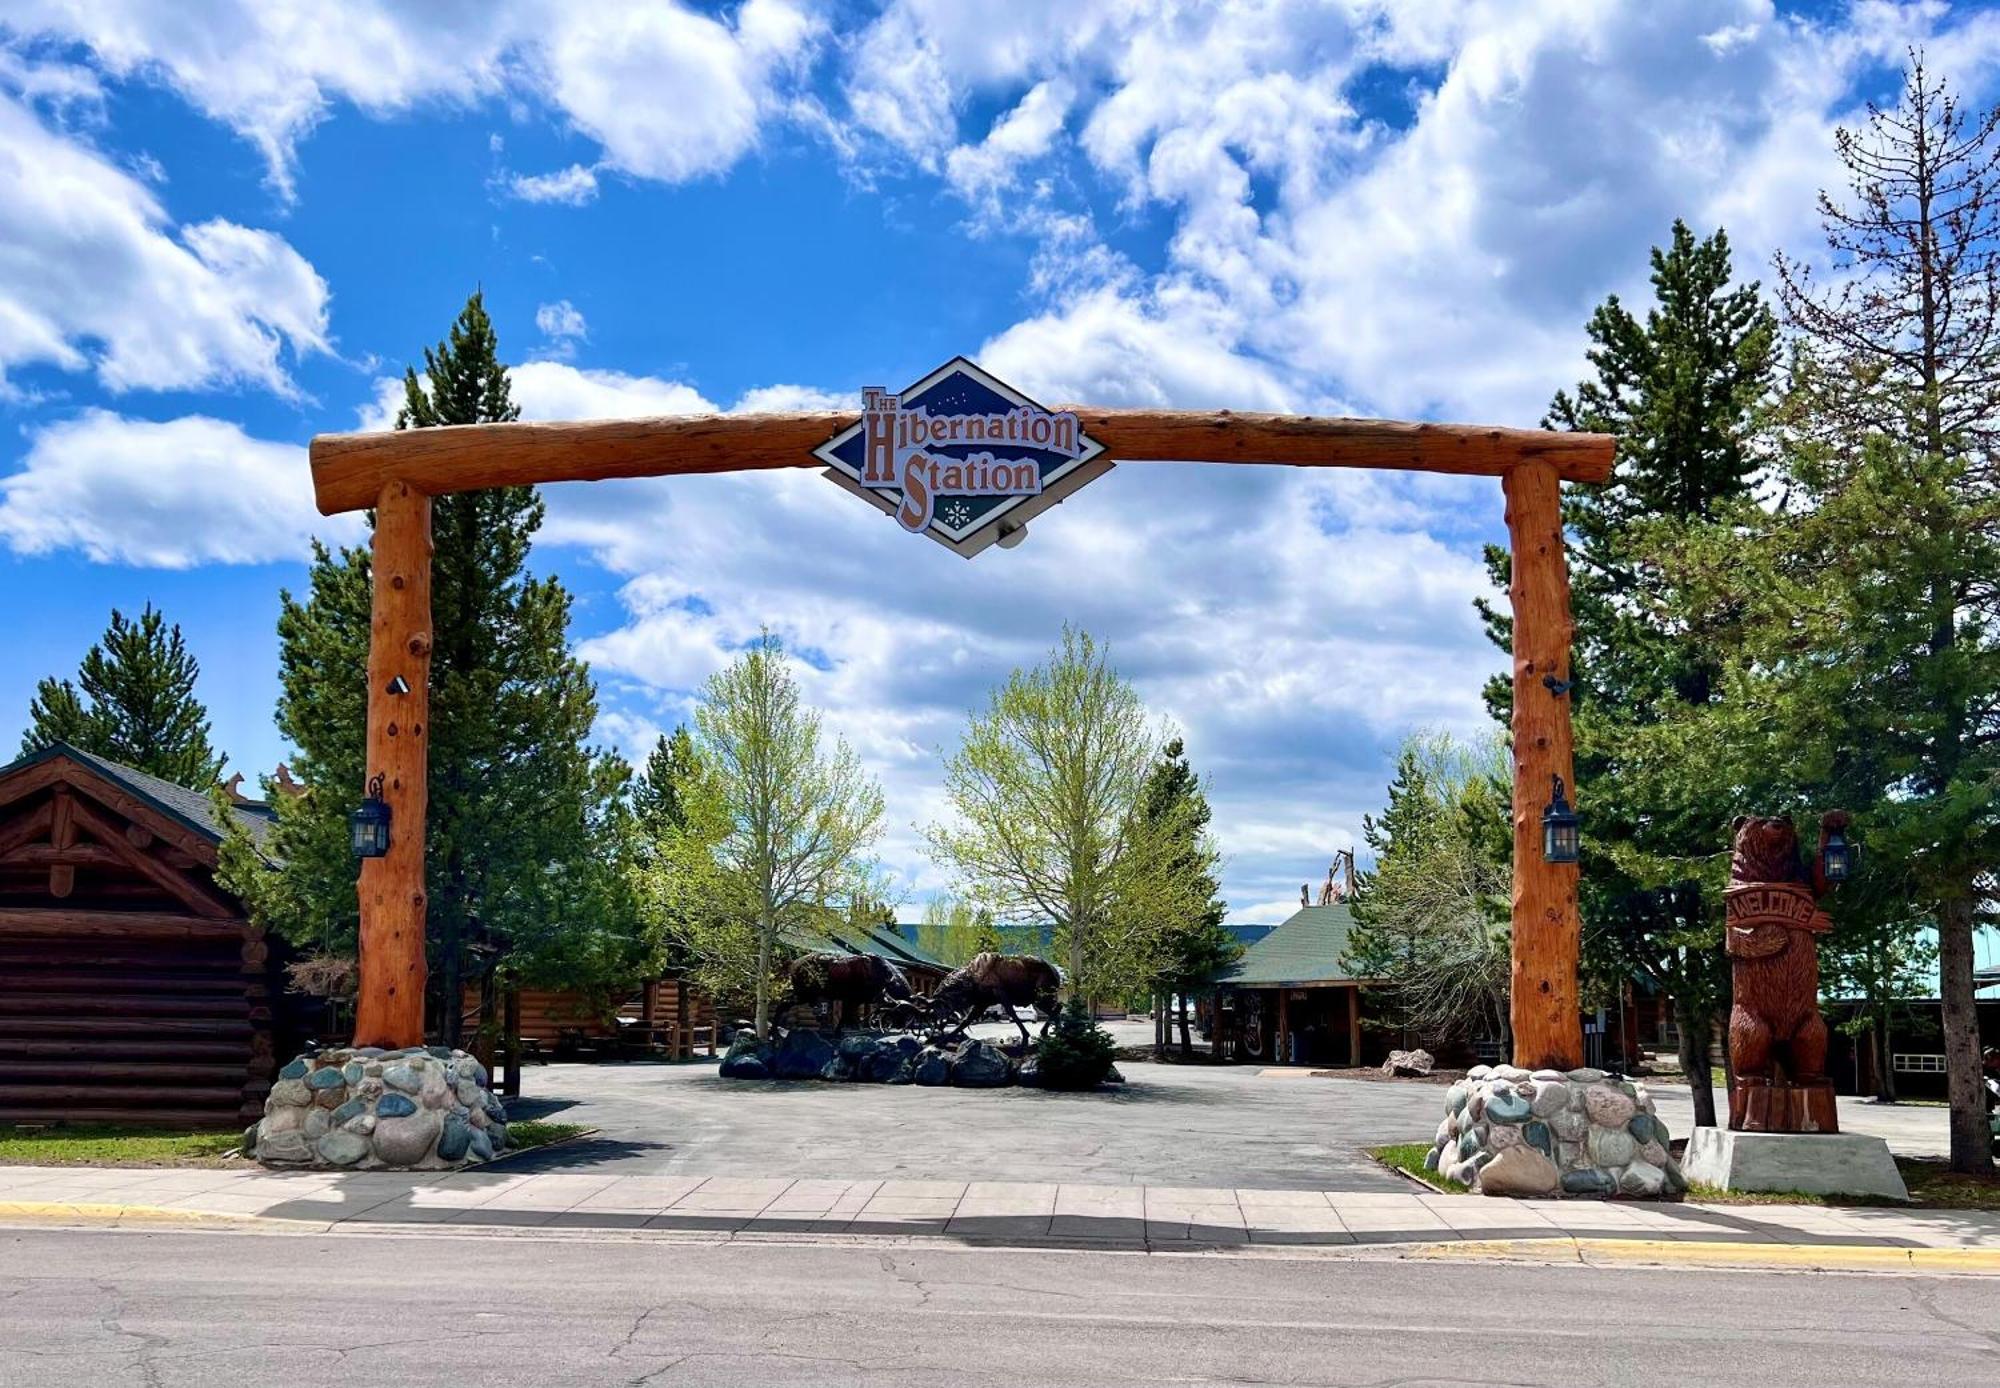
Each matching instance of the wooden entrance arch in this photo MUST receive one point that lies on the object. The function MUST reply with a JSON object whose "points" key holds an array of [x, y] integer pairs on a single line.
{"points": [[398, 474]]}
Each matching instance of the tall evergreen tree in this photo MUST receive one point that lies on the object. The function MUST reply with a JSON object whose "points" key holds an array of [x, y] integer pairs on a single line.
{"points": [[1193, 946], [1683, 390], [137, 704], [526, 823], [1900, 391], [661, 792]]}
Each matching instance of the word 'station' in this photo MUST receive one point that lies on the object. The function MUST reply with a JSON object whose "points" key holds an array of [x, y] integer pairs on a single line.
{"points": [[961, 457]]}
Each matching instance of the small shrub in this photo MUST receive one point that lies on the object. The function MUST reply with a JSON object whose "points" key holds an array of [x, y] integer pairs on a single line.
{"points": [[1077, 1053]]}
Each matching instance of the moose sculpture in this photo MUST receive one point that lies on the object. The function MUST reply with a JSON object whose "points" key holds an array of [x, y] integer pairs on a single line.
{"points": [[987, 980], [1777, 1038], [849, 981]]}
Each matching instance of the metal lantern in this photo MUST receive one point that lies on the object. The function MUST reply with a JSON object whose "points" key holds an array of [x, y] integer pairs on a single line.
{"points": [[368, 826], [1836, 860], [1560, 833]]}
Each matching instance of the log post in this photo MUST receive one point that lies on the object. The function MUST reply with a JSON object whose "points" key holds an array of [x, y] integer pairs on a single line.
{"points": [[390, 1009], [1548, 933]]}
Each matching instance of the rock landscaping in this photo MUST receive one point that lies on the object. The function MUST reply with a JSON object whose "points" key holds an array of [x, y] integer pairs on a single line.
{"points": [[865, 1058], [1509, 1131], [424, 1108]]}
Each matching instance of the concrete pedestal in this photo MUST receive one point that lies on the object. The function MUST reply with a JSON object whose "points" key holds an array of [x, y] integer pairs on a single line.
{"points": [[1814, 1163]]}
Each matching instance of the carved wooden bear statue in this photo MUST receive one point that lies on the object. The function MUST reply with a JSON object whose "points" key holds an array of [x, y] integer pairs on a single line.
{"points": [[1777, 1039]]}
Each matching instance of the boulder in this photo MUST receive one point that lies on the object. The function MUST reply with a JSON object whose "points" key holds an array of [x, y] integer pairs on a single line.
{"points": [[1588, 1181], [748, 1059], [892, 1057], [342, 1148], [1641, 1179], [1608, 1108], [932, 1067], [980, 1065], [283, 1147], [1519, 1170], [1413, 1064], [802, 1055], [1029, 1073], [456, 1139], [407, 1141]]}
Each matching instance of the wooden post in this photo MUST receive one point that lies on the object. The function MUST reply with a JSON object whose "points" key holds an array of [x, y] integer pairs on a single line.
{"points": [[1354, 1021], [390, 1009], [1548, 933]]}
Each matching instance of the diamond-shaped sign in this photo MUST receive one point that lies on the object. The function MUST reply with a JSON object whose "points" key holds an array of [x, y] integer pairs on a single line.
{"points": [[962, 457]]}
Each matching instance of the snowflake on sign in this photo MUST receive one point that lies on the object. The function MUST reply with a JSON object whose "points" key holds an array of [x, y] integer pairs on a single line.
{"points": [[957, 514]]}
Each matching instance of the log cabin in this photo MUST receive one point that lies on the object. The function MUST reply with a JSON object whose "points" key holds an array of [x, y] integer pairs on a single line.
{"points": [[133, 987]]}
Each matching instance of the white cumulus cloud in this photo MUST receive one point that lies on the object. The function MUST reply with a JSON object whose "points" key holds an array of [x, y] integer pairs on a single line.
{"points": [[94, 277], [166, 494]]}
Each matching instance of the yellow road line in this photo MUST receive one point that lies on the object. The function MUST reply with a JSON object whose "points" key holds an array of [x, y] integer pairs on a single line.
{"points": [[58, 1209], [1714, 1253]]}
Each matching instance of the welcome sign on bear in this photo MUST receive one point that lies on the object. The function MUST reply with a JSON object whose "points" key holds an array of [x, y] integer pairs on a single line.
{"points": [[962, 457]]}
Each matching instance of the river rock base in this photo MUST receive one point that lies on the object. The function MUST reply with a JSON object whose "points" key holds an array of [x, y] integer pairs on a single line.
{"points": [[1552, 1133], [422, 1108]]}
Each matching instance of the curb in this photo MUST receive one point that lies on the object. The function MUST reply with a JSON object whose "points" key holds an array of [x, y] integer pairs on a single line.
{"points": [[155, 1214], [1562, 1248], [1713, 1253]]}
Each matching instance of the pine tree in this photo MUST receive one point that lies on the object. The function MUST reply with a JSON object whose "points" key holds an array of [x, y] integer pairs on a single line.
{"points": [[137, 704], [1683, 391], [527, 826], [1431, 914], [1900, 388], [660, 793], [1194, 947]]}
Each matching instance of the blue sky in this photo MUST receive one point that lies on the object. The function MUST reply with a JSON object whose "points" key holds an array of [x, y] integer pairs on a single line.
{"points": [[225, 227]]}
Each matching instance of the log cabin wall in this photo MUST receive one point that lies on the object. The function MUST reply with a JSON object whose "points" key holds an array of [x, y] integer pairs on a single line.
{"points": [[132, 987]]}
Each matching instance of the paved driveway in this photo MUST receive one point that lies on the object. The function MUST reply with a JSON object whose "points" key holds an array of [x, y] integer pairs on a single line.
{"points": [[1167, 1126], [1228, 1126]]}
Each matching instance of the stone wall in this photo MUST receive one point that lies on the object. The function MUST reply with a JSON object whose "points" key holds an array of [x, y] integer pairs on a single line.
{"points": [[1509, 1131], [420, 1108]]}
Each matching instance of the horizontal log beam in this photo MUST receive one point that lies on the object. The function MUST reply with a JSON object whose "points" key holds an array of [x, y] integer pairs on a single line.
{"points": [[129, 925], [64, 1025], [350, 470]]}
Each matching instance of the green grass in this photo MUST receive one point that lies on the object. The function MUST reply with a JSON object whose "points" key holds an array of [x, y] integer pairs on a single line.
{"points": [[97, 1145], [531, 1133], [1408, 1158], [1931, 1184], [89, 1145]]}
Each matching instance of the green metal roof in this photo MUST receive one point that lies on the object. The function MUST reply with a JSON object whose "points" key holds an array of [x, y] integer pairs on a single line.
{"points": [[1310, 947]]}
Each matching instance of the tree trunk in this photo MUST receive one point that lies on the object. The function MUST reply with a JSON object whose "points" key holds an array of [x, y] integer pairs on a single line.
{"points": [[764, 928], [1971, 1144], [389, 1009], [451, 1017], [1694, 1028], [1885, 1059], [1545, 1024], [1159, 1026]]}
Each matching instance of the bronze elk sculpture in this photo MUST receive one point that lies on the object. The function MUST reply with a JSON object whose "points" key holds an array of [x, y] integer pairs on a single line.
{"points": [[988, 980], [849, 981]]}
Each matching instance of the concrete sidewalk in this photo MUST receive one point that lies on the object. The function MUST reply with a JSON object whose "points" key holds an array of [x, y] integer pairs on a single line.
{"points": [[1011, 1213]]}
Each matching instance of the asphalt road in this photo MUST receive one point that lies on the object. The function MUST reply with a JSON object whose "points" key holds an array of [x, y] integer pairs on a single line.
{"points": [[1170, 1125], [163, 1310]]}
